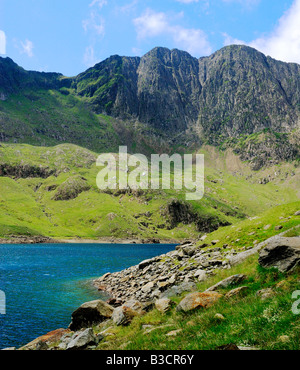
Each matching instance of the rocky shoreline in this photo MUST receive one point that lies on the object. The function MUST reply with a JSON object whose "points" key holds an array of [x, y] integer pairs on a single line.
{"points": [[29, 240], [175, 272], [104, 240], [169, 274]]}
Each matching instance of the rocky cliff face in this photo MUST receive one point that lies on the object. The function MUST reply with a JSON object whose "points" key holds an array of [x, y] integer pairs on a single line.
{"points": [[233, 93], [246, 92]]}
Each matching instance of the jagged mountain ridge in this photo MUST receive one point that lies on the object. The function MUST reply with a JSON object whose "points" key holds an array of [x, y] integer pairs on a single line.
{"points": [[235, 92]]}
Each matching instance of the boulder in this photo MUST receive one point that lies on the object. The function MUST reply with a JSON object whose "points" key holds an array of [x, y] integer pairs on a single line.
{"points": [[200, 275], [163, 305], [179, 289], [231, 280], [89, 314], [297, 213], [104, 277], [124, 315], [189, 250], [49, 338], [145, 263], [147, 288], [237, 292], [266, 293], [281, 253], [82, 339], [198, 300], [9, 349]]}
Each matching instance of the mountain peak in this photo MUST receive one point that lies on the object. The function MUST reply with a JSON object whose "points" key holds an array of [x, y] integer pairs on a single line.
{"points": [[234, 92]]}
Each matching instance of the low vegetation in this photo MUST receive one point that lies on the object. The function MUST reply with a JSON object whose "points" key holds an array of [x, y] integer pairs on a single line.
{"points": [[58, 198]]}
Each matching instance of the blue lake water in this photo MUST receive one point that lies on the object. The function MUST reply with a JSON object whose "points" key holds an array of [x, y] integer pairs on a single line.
{"points": [[45, 283]]}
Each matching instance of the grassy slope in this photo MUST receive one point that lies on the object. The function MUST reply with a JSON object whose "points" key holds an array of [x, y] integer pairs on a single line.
{"points": [[48, 117], [257, 229], [27, 207], [51, 117]]}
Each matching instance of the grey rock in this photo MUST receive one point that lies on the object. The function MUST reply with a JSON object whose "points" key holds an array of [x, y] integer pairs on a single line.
{"points": [[200, 275], [90, 313], [282, 253], [124, 315], [147, 288], [179, 289], [41, 346], [237, 292], [232, 280], [9, 349], [82, 339], [146, 263], [163, 305], [266, 293]]}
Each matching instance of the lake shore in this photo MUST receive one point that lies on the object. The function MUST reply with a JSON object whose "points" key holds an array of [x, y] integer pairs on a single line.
{"points": [[103, 240]]}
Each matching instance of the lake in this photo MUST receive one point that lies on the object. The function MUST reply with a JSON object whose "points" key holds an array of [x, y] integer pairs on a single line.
{"points": [[45, 283]]}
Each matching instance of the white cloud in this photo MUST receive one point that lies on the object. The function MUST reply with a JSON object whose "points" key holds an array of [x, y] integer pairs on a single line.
{"points": [[2, 43], [99, 3], [228, 40], [284, 42], [187, 1], [95, 23], [192, 40], [127, 8], [151, 24], [27, 48], [246, 3], [89, 57]]}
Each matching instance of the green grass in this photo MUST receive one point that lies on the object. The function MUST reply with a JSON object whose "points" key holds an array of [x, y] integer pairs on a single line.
{"points": [[48, 117], [29, 203], [259, 228]]}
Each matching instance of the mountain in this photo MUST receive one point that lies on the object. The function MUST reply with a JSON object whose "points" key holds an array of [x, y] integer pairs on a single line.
{"points": [[235, 91], [236, 98]]}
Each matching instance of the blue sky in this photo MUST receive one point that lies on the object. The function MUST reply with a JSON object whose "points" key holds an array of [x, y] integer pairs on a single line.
{"points": [[68, 36]]}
